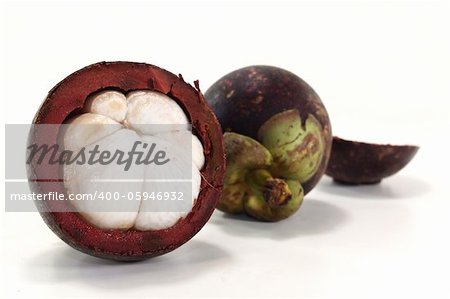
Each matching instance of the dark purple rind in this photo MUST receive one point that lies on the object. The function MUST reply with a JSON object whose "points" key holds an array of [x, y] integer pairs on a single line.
{"points": [[67, 98], [354, 163], [246, 98]]}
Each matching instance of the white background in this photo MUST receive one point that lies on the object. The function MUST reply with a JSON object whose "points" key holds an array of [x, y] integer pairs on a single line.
{"points": [[382, 70]]}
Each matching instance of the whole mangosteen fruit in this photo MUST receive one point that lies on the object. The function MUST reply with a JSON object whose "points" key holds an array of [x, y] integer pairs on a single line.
{"points": [[277, 140], [109, 104]]}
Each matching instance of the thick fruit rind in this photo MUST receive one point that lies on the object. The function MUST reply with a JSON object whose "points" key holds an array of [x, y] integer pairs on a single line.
{"points": [[354, 163], [67, 98]]}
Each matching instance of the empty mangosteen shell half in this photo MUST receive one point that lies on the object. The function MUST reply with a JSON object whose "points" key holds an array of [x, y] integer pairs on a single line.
{"points": [[245, 99], [354, 163], [67, 98]]}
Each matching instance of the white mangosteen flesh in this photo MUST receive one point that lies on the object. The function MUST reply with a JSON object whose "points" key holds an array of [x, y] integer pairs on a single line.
{"points": [[114, 121]]}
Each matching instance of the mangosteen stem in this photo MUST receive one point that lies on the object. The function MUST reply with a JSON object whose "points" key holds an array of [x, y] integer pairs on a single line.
{"points": [[275, 191]]}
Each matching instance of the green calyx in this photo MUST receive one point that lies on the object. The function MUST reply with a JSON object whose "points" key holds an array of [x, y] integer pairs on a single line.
{"points": [[297, 150], [249, 185], [264, 179]]}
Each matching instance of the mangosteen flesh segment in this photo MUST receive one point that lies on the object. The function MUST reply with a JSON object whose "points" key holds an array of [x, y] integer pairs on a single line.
{"points": [[265, 179], [113, 121], [354, 163]]}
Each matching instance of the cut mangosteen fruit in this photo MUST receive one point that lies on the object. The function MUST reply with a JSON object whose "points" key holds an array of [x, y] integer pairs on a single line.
{"points": [[354, 163], [112, 105], [277, 140]]}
